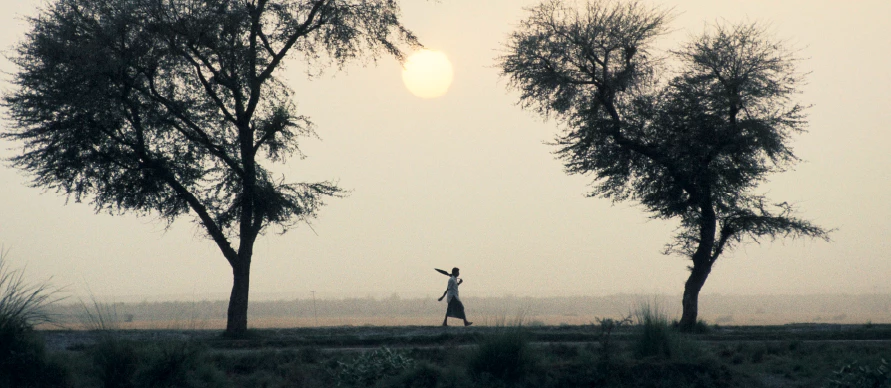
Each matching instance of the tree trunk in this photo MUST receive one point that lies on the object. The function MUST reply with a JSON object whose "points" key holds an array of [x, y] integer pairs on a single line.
{"points": [[702, 263], [694, 284], [236, 320]]}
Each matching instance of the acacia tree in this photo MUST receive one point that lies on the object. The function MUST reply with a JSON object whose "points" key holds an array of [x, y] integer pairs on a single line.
{"points": [[691, 144], [170, 107]]}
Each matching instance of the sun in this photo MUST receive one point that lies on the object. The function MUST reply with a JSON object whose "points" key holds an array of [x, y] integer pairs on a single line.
{"points": [[427, 74]]}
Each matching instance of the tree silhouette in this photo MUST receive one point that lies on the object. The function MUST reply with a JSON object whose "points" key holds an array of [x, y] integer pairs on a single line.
{"points": [[170, 107], [691, 144]]}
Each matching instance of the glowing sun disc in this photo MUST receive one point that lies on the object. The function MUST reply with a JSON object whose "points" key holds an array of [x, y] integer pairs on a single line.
{"points": [[427, 74]]}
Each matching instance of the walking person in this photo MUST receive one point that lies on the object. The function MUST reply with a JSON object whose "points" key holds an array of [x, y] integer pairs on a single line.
{"points": [[456, 308]]}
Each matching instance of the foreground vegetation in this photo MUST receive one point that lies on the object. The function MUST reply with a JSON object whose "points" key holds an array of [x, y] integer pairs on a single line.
{"points": [[643, 351]]}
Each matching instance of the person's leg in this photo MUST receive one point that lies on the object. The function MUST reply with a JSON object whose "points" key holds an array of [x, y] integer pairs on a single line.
{"points": [[445, 321], [460, 306]]}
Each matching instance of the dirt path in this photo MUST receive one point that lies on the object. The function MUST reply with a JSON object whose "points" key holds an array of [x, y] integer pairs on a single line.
{"points": [[350, 338]]}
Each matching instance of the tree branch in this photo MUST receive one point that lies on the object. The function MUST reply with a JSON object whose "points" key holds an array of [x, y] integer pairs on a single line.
{"points": [[212, 228], [201, 138], [209, 88]]}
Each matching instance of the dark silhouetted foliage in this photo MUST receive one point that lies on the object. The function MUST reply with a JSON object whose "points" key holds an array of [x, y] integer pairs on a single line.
{"points": [[23, 359], [173, 106], [504, 355], [691, 144], [115, 362]]}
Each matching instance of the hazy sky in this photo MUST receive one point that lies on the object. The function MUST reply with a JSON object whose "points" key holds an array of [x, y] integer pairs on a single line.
{"points": [[466, 180]]}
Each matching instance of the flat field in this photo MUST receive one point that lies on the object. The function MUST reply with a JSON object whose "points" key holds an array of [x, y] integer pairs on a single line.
{"points": [[744, 341], [640, 355]]}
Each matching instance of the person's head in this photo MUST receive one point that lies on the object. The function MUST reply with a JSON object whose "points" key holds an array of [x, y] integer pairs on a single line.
{"points": [[455, 271]]}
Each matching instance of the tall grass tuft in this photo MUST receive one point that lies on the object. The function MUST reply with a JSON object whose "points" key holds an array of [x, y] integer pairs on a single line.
{"points": [[99, 316], [504, 354], [22, 305], [22, 352], [655, 335]]}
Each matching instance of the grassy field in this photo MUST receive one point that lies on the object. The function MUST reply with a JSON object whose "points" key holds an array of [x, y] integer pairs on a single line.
{"points": [[646, 352], [556, 342]]}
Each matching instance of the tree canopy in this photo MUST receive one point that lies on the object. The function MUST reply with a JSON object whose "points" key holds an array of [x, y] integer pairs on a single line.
{"points": [[689, 134]]}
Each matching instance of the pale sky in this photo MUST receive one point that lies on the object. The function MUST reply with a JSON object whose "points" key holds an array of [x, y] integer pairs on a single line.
{"points": [[466, 180]]}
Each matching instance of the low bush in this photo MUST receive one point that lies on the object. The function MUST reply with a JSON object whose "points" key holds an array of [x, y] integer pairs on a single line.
{"points": [[503, 355], [177, 364], [114, 362], [607, 325], [701, 327], [120, 363], [24, 362]]}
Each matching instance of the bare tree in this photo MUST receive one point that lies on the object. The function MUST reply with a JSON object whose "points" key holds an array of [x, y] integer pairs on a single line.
{"points": [[170, 107], [691, 144]]}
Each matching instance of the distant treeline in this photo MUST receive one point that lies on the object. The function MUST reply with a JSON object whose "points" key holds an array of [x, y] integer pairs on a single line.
{"points": [[722, 309]]}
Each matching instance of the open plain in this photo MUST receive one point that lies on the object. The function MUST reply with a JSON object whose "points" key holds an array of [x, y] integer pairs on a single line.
{"points": [[515, 342]]}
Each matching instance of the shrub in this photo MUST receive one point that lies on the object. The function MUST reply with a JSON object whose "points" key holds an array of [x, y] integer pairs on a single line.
{"points": [[172, 364], [23, 359], [701, 327], [120, 363], [114, 362], [655, 335], [503, 355], [372, 366], [607, 325]]}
